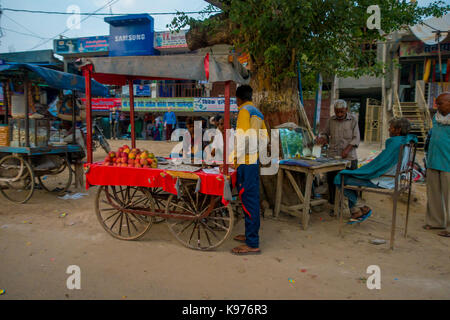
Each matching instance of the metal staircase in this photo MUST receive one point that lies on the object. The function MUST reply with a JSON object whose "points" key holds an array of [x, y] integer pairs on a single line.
{"points": [[416, 115]]}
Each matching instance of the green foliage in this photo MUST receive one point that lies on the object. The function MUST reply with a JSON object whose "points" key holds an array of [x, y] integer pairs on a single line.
{"points": [[325, 35], [206, 22]]}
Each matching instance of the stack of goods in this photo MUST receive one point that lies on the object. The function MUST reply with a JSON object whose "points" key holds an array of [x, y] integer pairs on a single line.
{"points": [[133, 158], [4, 135], [38, 134], [18, 106]]}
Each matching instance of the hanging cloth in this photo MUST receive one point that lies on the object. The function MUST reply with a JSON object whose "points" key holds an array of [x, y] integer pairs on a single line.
{"points": [[426, 74]]}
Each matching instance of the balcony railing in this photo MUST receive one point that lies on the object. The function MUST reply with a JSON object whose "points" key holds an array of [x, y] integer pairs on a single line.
{"points": [[181, 90]]}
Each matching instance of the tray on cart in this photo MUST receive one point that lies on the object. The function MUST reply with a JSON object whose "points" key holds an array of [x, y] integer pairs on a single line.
{"points": [[42, 150]]}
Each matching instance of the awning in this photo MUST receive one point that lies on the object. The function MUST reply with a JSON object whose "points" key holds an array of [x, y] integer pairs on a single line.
{"points": [[116, 70], [424, 31], [53, 78]]}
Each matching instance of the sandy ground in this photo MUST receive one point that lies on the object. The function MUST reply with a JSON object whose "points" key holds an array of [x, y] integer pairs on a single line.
{"points": [[37, 246]]}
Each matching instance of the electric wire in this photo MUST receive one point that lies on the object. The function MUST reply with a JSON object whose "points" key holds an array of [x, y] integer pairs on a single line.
{"points": [[111, 2], [106, 14]]}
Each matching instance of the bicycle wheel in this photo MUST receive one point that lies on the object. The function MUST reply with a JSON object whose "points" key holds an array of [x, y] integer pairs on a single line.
{"points": [[16, 179], [59, 180], [104, 143]]}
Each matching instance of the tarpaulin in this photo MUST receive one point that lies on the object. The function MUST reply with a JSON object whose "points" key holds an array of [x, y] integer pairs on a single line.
{"points": [[55, 79], [424, 31], [100, 175], [182, 67]]}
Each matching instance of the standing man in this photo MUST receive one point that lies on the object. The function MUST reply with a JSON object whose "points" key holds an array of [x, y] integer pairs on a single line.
{"points": [[159, 128], [169, 123], [114, 122], [342, 136], [249, 117], [122, 123], [438, 168]]}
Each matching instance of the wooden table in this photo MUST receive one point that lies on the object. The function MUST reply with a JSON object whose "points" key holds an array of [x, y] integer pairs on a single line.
{"points": [[304, 197]]}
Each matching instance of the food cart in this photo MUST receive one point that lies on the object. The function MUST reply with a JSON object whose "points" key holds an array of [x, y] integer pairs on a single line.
{"points": [[195, 204], [26, 154]]}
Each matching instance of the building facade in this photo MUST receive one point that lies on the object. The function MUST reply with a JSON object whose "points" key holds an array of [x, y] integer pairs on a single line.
{"points": [[417, 72]]}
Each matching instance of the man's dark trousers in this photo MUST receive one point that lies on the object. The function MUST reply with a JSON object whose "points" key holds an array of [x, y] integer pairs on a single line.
{"points": [[169, 130], [248, 187], [330, 181]]}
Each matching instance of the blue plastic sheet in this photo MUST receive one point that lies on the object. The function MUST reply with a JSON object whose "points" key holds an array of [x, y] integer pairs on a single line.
{"points": [[57, 79], [292, 162]]}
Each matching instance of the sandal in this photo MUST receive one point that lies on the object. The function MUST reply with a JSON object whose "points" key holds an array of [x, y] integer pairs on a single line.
{"points": [[428, 227], [360, 212], [361, 218], [240, 238], [243, 251], [444, 234]]}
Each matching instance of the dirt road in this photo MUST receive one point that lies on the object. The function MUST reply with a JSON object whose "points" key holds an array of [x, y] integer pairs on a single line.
{"points": [[37, 246]]}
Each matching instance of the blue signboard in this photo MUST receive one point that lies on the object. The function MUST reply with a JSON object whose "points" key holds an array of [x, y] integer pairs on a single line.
{"points": [[131, 35], [81, 45], [143, 90]]}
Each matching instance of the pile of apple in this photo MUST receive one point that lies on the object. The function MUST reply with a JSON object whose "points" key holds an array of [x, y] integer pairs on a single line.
{"points": [[132, 158]]}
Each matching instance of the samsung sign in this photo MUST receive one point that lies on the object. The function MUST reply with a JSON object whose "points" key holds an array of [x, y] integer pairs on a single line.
{"points": [[131, 35]]}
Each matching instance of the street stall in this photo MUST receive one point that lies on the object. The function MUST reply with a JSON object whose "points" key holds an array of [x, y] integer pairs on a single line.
{"points": [[27, 152], [194, 201], [298, 158]]}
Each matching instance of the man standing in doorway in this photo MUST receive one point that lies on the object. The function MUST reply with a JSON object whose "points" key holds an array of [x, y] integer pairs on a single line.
{"points": [[169, 123], [249, 117], [342, 136]]}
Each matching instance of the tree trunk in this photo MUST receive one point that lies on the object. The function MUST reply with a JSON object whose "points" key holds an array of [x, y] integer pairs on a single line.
{"points": [[279, 104]]}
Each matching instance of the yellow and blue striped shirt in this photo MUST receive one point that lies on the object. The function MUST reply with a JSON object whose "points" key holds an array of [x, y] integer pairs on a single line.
{"points": [[249, 117]]}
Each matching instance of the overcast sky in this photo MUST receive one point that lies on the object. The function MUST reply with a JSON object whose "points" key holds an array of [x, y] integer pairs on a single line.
{"points": [[40, 28]]}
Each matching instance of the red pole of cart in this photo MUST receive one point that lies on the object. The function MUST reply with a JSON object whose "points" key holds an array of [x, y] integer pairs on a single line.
{"points": [[133, 132], [87, 71], [226, 125]]}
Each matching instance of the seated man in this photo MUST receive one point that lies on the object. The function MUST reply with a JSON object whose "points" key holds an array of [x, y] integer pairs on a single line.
{"points": [[370, 175]]}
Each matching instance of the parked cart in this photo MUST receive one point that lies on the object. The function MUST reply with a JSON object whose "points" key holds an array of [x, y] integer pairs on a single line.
{"points": [[196, 205], [27, 159]]}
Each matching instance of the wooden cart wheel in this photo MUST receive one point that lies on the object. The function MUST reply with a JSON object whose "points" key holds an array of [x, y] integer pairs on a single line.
{"points": [[160, 200], [16, 179], [119, 224], [58, 180], [200, 233]]}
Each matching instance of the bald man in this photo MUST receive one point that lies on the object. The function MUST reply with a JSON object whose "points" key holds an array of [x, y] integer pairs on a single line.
{"points": [[438, 169]]}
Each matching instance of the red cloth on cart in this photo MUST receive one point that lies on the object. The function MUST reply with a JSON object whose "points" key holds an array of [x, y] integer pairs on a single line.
{"points": [[100, 175]]}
